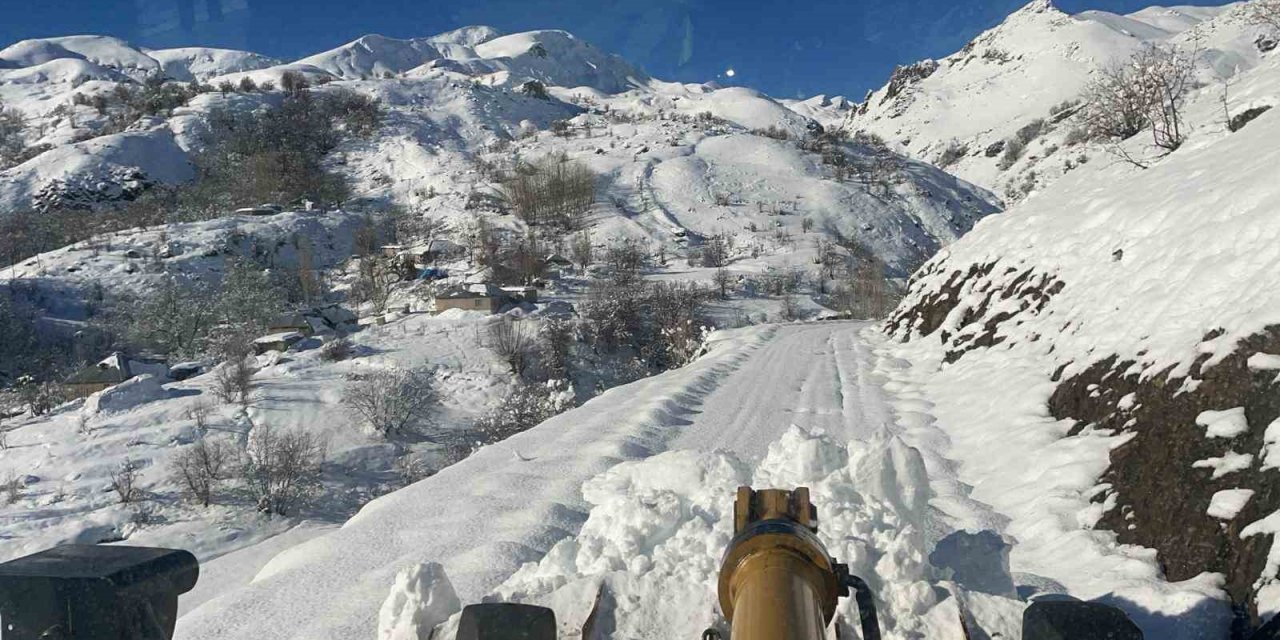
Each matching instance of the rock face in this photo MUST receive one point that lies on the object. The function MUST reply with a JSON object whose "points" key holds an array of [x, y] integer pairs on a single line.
{"points": [[1164, 479]]}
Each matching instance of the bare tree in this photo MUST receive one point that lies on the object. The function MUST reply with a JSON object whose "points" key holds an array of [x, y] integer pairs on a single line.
{"points": [[625, 258], [790, 308], [581, 251], [553, 191], [391, 401], [509, 340], [715, 251], [282, 470], [293, 82], [199, 414], [374, 280], [124, 481], [722, 281], [12, 126], [1265, 12], [555, 345], [199, 468]]}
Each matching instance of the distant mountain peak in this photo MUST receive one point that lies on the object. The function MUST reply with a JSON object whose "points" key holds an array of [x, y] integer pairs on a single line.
{"points": [[1039, 6]]}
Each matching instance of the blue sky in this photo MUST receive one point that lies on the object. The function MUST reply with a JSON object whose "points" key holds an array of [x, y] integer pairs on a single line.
{"points": [[785, 48]]}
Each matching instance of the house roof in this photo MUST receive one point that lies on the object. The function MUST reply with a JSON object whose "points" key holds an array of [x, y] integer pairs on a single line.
{"points": [[97, 374]]}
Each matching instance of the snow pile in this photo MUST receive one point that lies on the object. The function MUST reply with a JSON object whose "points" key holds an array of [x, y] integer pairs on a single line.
{"points": [[482, 518], [421, 598], [125, 396], [657, 529]]}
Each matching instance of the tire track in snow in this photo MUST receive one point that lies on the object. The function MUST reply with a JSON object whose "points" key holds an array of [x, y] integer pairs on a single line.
{"points": [[482, 518]]}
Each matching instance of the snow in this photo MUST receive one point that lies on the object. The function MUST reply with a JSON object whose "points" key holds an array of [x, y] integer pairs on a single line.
{"points": [[373, 55], [911, 459], [1264, 362], [1270, 453], [1227, 463], [1228, 423], [202, 63], [1037, 58], [1226, 504], [124, 396], [102, 50], [421, 598]]}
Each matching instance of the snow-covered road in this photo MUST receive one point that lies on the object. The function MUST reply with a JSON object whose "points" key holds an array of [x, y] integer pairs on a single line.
{"points": [[814, 376], [631, 494]]}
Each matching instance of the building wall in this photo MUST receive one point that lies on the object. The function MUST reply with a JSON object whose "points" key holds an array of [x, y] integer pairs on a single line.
{"points": [[488, 305]]}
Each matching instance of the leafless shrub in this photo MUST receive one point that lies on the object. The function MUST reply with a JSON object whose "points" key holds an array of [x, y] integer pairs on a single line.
{"points": [[282, 470], [11, 488], [124, 481], [526, 406], [233, 383], [1013, 150], [790, 308], [1145, 91], [1265, 13], [952, 153], [199, 468], [391, 401], [410, 469], [39, 397], [198, 413], [511, 341], [336, 349], [1030, 131]]}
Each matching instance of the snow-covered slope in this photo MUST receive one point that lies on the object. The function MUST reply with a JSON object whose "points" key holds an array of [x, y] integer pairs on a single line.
{"points": [[372, 56], [202, 63], [102, 50], [1017, 72], [1127, 304]]}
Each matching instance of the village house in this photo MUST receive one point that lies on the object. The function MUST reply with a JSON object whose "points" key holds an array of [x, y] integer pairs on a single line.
{"points": [[476, 297], [110, 372]]}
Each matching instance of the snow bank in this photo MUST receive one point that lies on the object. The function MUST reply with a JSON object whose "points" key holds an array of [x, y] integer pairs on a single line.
{"points": [[125, 396]]}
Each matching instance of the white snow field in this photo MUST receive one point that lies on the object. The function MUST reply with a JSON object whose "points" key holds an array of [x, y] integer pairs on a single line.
{"points": [[630, 494]]}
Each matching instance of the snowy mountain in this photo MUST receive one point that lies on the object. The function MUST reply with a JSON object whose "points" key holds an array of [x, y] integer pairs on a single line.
{"points": [[104, 51], [1079, 391], [1033, 67], [456, 95]]}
